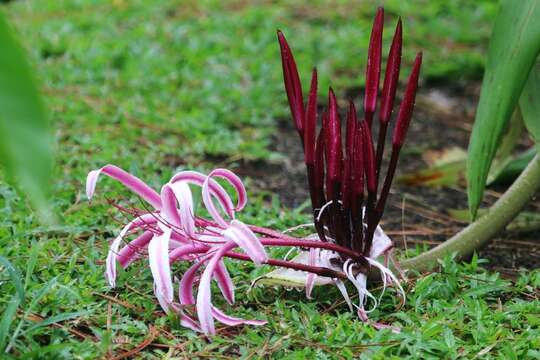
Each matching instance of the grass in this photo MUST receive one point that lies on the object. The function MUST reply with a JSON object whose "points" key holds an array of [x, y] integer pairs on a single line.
{"points": [[156, 87]]}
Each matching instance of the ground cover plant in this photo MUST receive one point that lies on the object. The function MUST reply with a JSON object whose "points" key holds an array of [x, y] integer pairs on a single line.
{"points": [[135, 108]]}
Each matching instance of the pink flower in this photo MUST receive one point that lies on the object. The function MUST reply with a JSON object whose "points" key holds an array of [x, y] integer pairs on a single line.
{"points": [[343, 180]]}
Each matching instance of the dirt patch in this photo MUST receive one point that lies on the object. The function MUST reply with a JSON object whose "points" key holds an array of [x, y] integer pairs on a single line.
{"points": [[414, 215]]}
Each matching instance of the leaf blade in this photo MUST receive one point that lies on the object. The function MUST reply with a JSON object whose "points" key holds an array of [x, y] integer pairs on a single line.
{"points": [[26, 144], [513, 48]]}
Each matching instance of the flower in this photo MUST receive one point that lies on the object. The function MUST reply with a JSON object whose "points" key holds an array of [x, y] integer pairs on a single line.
{"points": [[343, 182]]}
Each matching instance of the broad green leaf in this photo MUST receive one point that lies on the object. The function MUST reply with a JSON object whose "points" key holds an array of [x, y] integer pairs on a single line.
{"points": [[513, 48], [26, 144], [529, 103]]}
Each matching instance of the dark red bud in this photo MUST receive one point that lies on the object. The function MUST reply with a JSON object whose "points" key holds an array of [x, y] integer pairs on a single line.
{"points": [[293, 87], [407, 104], [358, 168], [311, 121], [369, 158], [333, 140], [391, 76], [373, 68]]}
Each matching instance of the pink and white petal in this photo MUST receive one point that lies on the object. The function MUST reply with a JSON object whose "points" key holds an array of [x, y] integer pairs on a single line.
{"points": [[158, 255], [132, 251], [224, 282], [112, 256], [236, 183], [210, 207], [204, 295], [233, 321], [110, 262], [185, 251], [188, 322], [310, 279], [185, 290], [196, 178], [381, 243], [343, 290], [185, 201], [242, 235], [386, 272], [132, 182], [169, 211]]}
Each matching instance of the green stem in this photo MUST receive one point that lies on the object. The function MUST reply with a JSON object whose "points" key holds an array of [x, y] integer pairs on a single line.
{"points": [[480, 232]]}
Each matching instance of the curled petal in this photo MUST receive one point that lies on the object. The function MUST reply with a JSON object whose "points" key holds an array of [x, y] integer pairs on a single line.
{"points": [[209, 204], [188, 322], [110, 263], [204, 295], [169, 211], [387, 273], [221, 275], [131, 251], [182, 193], [233, 321], [196, 178], [242, 235], [158, 256], [186, 250], [186, 284], [235, 181], [132, 182], [224, 282]]}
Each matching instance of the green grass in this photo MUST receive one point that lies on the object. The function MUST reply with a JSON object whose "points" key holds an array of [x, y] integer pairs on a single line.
{"points": [[155, 87]]}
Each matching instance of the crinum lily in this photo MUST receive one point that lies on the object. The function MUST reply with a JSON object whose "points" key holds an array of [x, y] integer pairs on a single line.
{"points": [[348, 240]]}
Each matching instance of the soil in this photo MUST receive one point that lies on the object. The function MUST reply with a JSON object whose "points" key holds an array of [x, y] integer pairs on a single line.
{"points": [[414, 215]]}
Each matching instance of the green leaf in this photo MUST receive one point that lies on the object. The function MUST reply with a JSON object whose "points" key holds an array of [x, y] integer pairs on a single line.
{"points": [[529, 103], [56, 319], [507, 145], [7, 318], [514, 167], [15, 277], [26, 144], [513, 48]]}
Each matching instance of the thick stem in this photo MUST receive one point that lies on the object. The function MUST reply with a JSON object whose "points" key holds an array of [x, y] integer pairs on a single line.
{"points": [[480, 232]]}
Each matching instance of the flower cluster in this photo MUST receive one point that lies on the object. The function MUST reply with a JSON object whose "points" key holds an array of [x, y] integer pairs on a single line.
{"points": [[340, 177], [347, 242]]}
